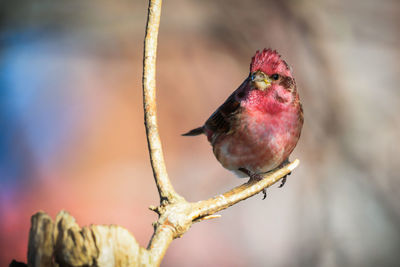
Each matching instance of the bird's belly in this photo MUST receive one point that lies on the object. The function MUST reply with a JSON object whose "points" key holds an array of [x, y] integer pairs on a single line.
{"points": [[258, 146]]}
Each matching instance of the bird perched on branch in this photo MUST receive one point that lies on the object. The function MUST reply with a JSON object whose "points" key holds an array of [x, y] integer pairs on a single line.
{"points": [[258, 126]]}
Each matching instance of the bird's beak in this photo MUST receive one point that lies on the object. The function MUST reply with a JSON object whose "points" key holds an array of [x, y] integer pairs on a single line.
{"points": [[261, 84], [267, 81]]}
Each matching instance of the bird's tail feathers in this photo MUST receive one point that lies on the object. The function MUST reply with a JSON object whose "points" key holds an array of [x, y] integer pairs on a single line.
{"points": [[194, 132]]}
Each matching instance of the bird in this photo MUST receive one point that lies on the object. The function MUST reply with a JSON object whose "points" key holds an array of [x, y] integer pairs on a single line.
{"points": [[256, 129]]}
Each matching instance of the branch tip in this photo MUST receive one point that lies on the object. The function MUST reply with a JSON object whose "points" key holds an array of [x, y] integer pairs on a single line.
{"points": [[293, 165]]}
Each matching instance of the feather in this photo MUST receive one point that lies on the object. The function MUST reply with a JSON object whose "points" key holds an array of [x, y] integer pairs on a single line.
{"points": [[194, 132]]}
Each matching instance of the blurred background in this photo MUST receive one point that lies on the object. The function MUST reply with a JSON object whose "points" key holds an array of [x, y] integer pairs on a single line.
{"points": [[72, 135]]}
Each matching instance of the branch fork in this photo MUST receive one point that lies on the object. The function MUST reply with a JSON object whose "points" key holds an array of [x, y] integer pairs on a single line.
{"points": [[176, 218]]}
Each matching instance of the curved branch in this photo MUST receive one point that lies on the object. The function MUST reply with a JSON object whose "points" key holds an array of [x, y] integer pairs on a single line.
{"points": [[164, 186]]}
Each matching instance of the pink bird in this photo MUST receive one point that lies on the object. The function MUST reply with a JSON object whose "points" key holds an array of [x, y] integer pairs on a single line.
{"points": [[258, 126]]}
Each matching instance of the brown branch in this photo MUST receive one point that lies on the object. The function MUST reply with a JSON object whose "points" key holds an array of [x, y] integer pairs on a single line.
{"points": [[210, 206], [176, 218], [164, 186]]}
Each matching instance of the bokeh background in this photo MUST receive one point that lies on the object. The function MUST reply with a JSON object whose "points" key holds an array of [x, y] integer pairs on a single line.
{"points": [[72, 135]]}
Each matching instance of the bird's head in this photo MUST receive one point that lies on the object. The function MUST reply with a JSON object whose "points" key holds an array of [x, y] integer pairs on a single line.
{"points": [[271, 86], [267, 68]]}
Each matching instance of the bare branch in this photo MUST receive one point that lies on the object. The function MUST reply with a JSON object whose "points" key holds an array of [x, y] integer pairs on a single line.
{"points": [[176, 218], [164, 186], [206, 208]]}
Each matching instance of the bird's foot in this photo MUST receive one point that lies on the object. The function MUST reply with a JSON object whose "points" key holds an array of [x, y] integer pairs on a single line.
{"points": [[264, 193], [284, 179], [254, 177], [285, 162]]}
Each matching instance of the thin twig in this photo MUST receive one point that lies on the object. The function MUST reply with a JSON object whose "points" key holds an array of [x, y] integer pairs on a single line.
{"points": [[210, 206], [164, 186]]}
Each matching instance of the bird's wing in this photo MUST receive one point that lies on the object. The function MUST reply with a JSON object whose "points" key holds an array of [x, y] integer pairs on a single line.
{"points": [[223, 119]]}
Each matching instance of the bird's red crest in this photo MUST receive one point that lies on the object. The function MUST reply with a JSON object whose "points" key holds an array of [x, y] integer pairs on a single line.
{"points": [[269, 62]]}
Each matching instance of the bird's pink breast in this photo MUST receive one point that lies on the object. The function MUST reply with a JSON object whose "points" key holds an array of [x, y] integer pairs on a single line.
{"points": [[261, 141]]}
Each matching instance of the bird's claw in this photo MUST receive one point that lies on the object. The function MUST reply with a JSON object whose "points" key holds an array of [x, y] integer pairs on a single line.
{"points": [[265, 193], [284, 179]]}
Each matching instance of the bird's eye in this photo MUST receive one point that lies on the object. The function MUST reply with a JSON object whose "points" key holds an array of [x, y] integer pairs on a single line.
{"points": [[275, 76]]}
